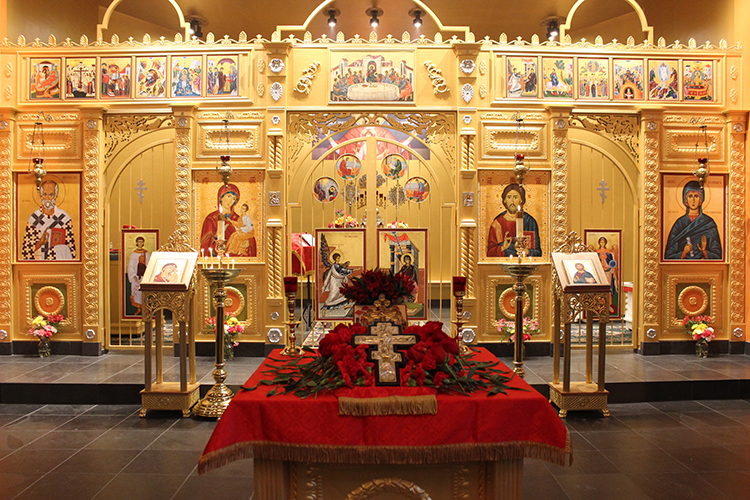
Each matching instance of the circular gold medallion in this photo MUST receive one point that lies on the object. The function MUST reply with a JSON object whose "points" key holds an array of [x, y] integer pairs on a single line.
{"points": [[49, 300], [692, 301], [234, 304], [507, 303]]}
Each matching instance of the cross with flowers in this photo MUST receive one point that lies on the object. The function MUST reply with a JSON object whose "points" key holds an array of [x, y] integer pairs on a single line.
{"points": [[384, 339]]}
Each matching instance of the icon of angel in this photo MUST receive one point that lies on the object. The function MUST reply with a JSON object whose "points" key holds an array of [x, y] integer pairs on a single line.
{"points": [[335, 276]]}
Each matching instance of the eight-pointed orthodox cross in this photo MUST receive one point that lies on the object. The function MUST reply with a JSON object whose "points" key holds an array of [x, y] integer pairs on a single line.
{"points": [[384, 337]]}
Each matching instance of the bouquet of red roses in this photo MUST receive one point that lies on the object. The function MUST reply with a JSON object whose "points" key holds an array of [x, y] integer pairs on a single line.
{"points": [[434, 361], [367, 288]]}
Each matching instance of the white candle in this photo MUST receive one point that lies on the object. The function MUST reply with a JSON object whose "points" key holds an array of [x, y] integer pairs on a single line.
{"points": [[519, 221]]}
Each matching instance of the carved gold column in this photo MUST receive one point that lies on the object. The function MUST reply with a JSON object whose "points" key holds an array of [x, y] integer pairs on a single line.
{"points": [[559, 126], [92, 248], [468, 255], [183, 120], [737, 124], [651, 228], [7, 124], [275, 148], [468, 154], [275, 254]]}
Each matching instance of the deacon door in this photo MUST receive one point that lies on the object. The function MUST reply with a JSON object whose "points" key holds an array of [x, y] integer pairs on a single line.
{"points": [[140, 199], [378, 177], [606, 178]]}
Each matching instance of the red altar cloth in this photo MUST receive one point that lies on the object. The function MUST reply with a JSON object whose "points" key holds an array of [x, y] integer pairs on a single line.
{"points": [[521, 424]]}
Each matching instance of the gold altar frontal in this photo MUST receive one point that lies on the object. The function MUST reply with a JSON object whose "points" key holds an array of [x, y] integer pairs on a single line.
{"points": [[288, 480]]}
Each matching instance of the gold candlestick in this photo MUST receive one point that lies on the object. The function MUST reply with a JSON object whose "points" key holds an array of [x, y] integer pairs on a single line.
{"points": [[291, 348], [218, 397], [459, 296], [520, 272]]}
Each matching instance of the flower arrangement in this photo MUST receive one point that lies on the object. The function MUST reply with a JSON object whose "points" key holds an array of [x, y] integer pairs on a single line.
{"points": [[232, 331], [365, 289], [343, 221], [699, 328], [41, 328], [55, 319], [507, 329], [397, 224], [433, 362]]}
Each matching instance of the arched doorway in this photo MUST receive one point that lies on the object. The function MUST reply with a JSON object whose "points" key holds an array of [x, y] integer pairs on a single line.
{"points": [[604, 211], [139, 187], [378, 173]]}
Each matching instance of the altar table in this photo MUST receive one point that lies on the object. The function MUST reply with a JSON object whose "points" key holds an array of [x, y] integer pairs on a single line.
{"points": [[472, 448]]}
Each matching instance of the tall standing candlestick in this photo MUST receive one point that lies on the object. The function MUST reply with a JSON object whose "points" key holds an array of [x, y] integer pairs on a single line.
{"points": [[520, 272], [459, 290], [290, 290]]}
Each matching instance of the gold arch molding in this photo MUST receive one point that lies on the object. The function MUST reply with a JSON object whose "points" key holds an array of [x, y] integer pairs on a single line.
{"points": [[649, 30], [113, 6], [303, 27]]}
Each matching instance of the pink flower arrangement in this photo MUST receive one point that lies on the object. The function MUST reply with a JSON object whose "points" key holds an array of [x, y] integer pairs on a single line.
{"points": [[699, 328], [343, 221], [55, 319], [397, 224], [40, 327], [507, 329]]}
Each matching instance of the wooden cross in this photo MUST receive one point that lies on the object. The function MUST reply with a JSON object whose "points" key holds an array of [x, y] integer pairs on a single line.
{"points": [[384, 339]]}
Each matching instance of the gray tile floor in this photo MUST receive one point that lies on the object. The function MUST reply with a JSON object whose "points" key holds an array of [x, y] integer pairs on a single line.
{"points": [[659, 451]]}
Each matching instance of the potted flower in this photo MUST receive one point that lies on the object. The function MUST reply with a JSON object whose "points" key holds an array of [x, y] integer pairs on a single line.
{"points": [[42, 330], [507, 329], [232, 331], [698, 327]]}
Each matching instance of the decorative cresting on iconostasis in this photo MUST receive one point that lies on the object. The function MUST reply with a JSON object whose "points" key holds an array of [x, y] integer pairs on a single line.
{"points": [[446, 106]]}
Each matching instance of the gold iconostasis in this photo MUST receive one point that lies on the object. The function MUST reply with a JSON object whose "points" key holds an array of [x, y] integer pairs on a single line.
{"points": [[353, 153]]}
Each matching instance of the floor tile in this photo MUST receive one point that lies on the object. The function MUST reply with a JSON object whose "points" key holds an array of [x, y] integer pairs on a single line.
{"points": [[27, 461], [154, 420], [90, 461], [118, 439], [704, 460], [679, 406], [601, 486], [648, 460], [661, 421], [539, 483], [701, 420], [124, 410], [180, 463], [593, 421], [617, 440], [141, 486], [65, 440], [231, 488], [18, 409], [64, 410], [14, 439], [66, 487], [34, 423], [181, 440], [11, 484], [90, 422], [669, 439], [734, 484], [682, 486], [585, 462]]}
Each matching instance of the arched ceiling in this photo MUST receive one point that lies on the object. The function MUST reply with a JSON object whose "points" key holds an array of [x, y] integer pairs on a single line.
{"points": [[615, 18]]}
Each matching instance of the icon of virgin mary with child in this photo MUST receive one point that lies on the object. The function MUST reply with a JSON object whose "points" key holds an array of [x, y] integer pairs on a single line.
{"points": [[226, 224]]}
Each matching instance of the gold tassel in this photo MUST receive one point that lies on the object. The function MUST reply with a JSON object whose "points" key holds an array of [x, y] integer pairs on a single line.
{"points": [[391, 405], [463, 452]]}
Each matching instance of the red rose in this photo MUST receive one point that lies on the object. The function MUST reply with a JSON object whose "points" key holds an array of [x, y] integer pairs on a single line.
{"points": [[429, 362], [415, 353], [419, 375], [439, 378]]}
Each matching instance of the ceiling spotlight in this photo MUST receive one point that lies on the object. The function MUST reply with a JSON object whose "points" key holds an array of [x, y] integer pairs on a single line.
{"points": [[196, 26], [417, 19], [332, 13], [553, 27], [374, 14]]}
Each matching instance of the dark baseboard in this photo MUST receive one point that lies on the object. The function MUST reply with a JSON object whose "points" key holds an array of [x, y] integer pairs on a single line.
{"points": [[58, 347], [684, 347], [506, 349], [747, 348], [245, 349], [6, 349], [737, 347]]}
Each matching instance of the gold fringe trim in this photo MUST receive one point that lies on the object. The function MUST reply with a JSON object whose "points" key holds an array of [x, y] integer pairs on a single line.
{"points": [[415, 455], [390, 405]]}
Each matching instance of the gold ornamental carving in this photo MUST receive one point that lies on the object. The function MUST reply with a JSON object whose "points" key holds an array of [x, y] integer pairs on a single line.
{"points": [[559, 184], [674, 302], [624, 129], [91, 251], [261, 89], [502, 141], [120, 129], [53, 281], [439, 85], [182, 181], [461, 483], [695, 308], [53, 302], [244, 140], [389, 485], [274, 262], [309, 129], [652, 218], [737, 233], [313, 483], [304, 84], [680, 144], [236, 115], [491, 299], [60, 142], [6, 225], [468, 254], [509, 292], [383, 312], [8, 70]]}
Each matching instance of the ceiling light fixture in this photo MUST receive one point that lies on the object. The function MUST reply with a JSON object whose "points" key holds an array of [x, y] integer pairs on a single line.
{"points": [[196, 26], [374, 14], [417, 18], [553, 30], [332, 13], [701, 169], [36, 165]]}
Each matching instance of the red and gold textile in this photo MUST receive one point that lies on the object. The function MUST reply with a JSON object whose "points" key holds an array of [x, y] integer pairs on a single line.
{"points": [[521, 424]]}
